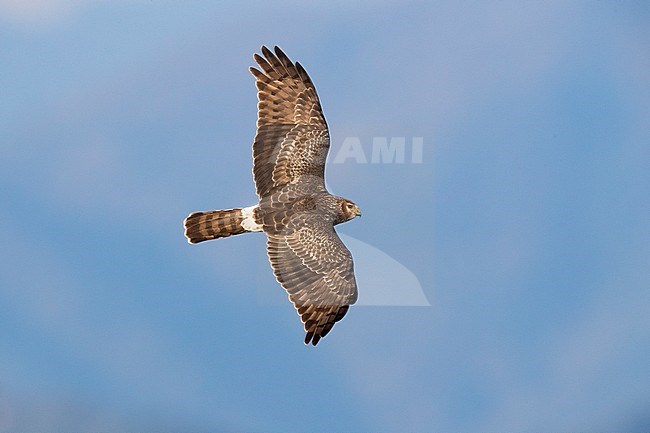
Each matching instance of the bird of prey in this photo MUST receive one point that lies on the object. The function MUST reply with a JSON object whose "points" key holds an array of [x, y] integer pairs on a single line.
{"points": [[295, 210]]}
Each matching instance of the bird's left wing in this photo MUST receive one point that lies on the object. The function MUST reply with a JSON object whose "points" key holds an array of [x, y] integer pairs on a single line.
{"points": [[315, 268]]}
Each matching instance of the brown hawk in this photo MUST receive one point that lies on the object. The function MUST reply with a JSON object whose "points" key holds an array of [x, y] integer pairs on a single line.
{"points": [[295, 210]]}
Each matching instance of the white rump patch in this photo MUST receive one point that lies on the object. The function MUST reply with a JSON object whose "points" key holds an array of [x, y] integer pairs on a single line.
{"points": [[249, 223]]}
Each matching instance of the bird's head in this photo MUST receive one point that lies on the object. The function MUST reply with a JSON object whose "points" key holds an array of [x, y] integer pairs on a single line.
{"points": [[346, 211]]}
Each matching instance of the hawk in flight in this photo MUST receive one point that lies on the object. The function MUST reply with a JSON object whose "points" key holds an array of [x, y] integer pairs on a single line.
{"points": [[295, 210]]}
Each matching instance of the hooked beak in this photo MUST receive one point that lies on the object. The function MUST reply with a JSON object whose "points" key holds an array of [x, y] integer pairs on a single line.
{"points": [[357, 211]]}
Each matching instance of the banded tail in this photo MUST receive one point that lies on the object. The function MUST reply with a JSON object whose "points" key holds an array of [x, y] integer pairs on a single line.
{"points": [[204, 226]]}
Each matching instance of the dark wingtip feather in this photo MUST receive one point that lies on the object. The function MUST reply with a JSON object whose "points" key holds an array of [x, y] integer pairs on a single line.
{"points": [[326, 330], [312, 338], [256, 72], [302, 71], [279, 52], [267, 53]]}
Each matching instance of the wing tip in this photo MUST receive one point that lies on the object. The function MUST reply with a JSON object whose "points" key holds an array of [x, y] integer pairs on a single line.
{"points": [[278, 52], [312, 338], [266, 52]]}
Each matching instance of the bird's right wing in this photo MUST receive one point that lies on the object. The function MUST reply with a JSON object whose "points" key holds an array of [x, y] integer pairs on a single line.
{"points": [[292, 138]]}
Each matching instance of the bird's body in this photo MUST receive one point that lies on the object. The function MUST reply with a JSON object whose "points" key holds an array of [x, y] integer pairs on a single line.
{"points": [[295, 210]]}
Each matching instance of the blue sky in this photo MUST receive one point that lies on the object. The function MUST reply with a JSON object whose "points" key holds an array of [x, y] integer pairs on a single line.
{"points": [[525, 226]]}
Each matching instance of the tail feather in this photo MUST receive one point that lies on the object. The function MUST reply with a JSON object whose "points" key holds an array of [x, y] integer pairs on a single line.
{"points": [[203, 226]]}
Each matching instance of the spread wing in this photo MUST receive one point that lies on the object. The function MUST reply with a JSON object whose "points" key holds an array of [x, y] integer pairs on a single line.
{"points": [[315, 268], [292, 138]]}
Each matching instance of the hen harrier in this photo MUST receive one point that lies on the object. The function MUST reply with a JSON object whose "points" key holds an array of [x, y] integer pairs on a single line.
{"points": [[295, 210]]}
